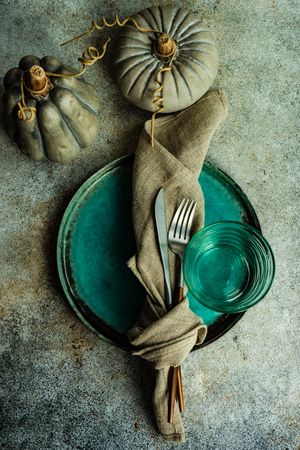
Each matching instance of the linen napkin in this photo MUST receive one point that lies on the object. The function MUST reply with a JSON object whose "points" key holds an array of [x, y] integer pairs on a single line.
{"points": [[166, 338]]}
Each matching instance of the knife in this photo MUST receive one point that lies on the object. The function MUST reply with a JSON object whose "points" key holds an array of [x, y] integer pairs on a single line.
{"points": [[161, 227]]}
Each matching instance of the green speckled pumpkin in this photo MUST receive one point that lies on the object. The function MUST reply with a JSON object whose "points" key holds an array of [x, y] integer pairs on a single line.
{"points": [[137, 59], [66, 117]]}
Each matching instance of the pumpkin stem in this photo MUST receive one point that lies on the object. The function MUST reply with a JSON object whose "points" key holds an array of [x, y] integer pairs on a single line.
{"points": [[37, 82], [165, 46]]}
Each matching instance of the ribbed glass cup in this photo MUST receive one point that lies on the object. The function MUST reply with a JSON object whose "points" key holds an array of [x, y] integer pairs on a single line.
{"points": [[228, 266]]}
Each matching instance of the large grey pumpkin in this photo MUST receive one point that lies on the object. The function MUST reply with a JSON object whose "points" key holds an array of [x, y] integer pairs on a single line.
{"points": [[137, 61], [66, 114]]}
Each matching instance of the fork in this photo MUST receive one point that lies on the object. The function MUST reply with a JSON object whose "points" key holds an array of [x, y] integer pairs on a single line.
{"points": [[178, 238]]}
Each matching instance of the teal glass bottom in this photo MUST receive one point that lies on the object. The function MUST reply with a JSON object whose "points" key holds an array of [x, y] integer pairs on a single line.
{"points": [[226, 272]]}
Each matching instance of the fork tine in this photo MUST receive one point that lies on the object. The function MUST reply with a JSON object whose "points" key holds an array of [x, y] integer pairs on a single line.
{"points": [[190, 221], [181, 219], [177, 213], [186, 219], [176, 219]]}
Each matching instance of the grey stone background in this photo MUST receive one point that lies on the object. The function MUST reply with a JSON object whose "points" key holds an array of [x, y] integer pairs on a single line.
{"points": [[62, 387]]}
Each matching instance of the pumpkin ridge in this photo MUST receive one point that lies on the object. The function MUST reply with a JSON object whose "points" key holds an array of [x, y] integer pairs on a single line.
{"points": [[42, 140], [36, 150], [132, 67], [195, 49], [149, 11], [67, 124], [161, 18], [134, 55], [152, 73], [200, 63], [64, 117], [80, 99], [132, 47], [170, 30], [184, 80], [206, 41], [136, 39], [62, 83], [138, 77], [191, 34], [45, 64], [11, 98], [10, 92], [175, 32], [146, 19], [188, 28], [62, 122], [185, 39], [10, 81], [191, 69], [176, 84], [27, 61]]}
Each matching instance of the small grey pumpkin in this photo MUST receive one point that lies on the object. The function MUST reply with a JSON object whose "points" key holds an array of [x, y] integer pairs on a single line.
{"points": [[140, 55], [66, 110]]}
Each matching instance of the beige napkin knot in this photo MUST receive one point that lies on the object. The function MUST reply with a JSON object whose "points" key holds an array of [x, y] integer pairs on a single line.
{"points": [[166, 338], [168, 348]]}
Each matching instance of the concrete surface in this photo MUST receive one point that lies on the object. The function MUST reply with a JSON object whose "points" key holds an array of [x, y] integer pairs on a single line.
{"points": [[62, 387]]}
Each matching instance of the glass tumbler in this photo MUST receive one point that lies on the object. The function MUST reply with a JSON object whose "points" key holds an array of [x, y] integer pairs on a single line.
{"points": [[228, 266]]}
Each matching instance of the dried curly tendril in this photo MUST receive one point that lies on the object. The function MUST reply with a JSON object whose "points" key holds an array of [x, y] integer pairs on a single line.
{"points": [[91, 55], [106, 24], [157, 94], [25, 112]]}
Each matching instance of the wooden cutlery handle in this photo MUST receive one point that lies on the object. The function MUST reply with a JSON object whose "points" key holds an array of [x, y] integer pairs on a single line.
{"points": [[176, 379], [178, 295], [175, 389], [179, 390], [172, 393]]}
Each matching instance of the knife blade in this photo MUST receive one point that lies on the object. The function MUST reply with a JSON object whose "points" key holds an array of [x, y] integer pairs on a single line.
{"points": [[162, 233]]}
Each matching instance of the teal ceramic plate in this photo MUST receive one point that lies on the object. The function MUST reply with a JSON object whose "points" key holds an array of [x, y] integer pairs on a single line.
{"points": [[96, 240]]}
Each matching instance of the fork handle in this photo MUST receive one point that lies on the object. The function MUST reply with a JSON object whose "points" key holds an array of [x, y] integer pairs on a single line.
{"points": [[180, 279], [176, 384], [178, 291], [178, 295]]}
